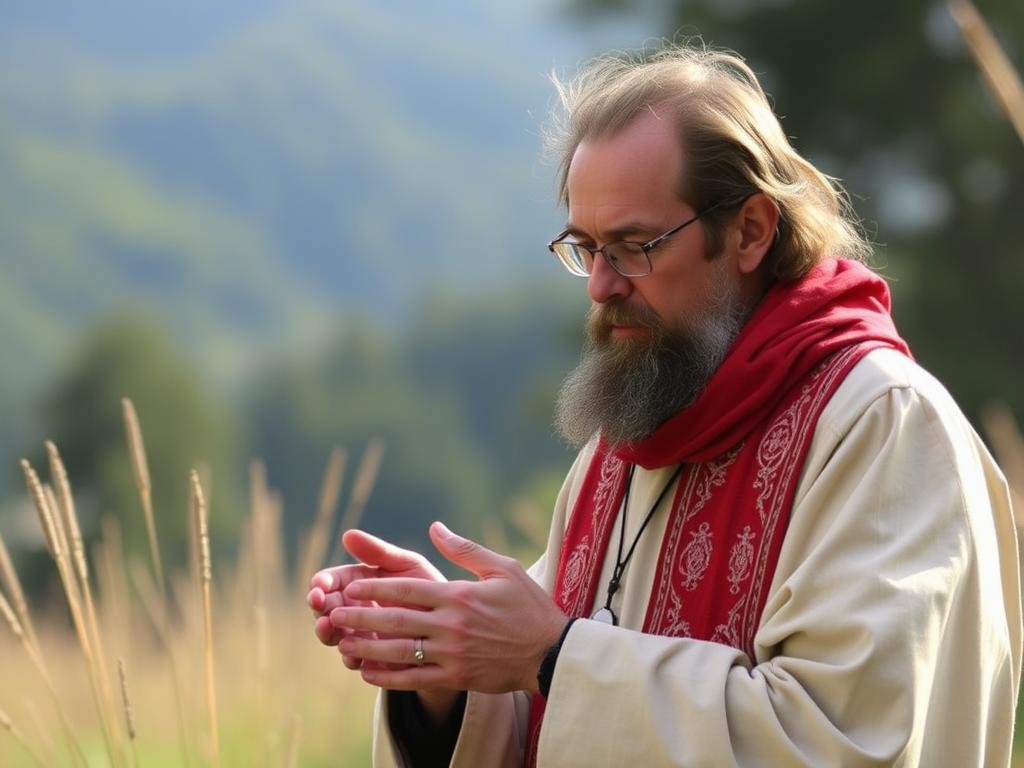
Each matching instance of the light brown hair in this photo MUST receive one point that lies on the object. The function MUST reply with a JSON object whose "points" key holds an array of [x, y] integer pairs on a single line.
{"points": [[732, 141]]}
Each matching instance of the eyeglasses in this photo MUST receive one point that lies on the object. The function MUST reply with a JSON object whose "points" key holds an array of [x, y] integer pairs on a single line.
{"points": [[627, 258]]}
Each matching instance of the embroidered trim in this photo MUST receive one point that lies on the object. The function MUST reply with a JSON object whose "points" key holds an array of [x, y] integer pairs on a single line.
{"points": [[701, 592], [696, 557], [582, 564], [740, 559], [792, 429]]}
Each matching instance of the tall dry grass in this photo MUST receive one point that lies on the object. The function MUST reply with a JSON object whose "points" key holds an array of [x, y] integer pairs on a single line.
{"points": [[1002, 79], [274, 697]]}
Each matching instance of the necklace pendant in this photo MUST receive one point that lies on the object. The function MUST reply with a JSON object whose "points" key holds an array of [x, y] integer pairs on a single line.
{"points": [[605, 616]]}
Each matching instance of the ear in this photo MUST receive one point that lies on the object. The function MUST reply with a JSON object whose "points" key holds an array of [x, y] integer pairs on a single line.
{"points": [[755, 229]]}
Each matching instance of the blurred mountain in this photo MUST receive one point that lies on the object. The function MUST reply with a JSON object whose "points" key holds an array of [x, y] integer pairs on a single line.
{"points": [[248, 172], [363, 148]]}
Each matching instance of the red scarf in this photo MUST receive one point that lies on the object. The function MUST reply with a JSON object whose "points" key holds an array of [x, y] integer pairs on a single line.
{"points": [[743, 444]]}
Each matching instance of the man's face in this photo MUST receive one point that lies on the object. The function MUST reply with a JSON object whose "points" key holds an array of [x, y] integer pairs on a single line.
{"points": [[653, 341]]}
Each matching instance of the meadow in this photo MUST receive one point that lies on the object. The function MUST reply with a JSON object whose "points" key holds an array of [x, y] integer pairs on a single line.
{"points": [[216, 664]]}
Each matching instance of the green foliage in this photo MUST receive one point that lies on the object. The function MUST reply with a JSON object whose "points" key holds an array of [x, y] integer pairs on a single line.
{"points": [[502, 357], [456, 399], [183, 429], [353, 392]]}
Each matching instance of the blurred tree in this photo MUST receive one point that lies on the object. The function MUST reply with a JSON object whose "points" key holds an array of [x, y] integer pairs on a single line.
{"points": [[127, 356], [503, 357], [885, 96], [356, 390]]}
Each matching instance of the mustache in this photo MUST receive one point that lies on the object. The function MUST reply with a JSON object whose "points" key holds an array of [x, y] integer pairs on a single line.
{"points": [[603, 318]]}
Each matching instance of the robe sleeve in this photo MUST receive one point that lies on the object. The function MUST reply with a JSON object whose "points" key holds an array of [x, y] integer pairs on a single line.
{"points": [[891, 634]]}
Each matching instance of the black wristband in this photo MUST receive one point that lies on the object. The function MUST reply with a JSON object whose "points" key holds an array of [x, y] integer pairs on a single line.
{"points": [[547, 664]]}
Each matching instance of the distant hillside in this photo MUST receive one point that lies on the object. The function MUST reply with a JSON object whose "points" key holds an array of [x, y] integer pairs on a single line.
{"points": [[247, 172], [369, 148]]}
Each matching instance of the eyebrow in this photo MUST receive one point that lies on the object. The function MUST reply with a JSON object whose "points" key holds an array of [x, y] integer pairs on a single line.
{"points": [[618, 233]]}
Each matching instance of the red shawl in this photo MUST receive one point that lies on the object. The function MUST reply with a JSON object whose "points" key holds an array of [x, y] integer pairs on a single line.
{"points": [[742, 443]]}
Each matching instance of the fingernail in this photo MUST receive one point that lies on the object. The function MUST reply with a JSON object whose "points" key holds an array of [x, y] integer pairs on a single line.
{"points": [[338, 617]]}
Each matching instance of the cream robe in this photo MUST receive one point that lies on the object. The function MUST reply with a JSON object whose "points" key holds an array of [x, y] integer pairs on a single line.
{"points": [[891, 633]]}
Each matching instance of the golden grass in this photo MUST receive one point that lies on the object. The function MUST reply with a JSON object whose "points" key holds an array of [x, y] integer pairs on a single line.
{"points": [[205, 578], [11, 584], [129, 717], [275, 697], [140, 471], [995, 66]]}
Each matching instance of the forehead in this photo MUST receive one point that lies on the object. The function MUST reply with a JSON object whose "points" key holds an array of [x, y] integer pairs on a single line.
{"points": [[638, 166]]}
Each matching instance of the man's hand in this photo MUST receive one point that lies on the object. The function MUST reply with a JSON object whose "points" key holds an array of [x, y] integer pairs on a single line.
{"points": [[377, 559], [489, 635]]}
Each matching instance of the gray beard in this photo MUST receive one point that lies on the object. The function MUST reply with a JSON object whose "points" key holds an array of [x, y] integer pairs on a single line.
{"points": [[627, 388]]}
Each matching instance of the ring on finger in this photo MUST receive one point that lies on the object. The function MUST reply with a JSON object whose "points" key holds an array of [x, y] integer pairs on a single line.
{"points": [[417, 652]]}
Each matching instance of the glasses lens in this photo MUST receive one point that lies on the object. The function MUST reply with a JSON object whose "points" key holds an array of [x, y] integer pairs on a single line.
{"points": [[574, 258], [628, 259]]}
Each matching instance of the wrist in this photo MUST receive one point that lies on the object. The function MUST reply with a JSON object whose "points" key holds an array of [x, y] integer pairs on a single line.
{"points": [[546, 670]]}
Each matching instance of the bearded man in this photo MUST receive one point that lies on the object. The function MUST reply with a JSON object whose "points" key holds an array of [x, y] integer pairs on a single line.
{"points": [[781, 543]]}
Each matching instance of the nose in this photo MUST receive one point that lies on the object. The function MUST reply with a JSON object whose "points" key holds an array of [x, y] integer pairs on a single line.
{"points": [[605, 284]]}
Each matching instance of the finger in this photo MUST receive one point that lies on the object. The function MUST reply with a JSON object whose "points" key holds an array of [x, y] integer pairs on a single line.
{"points": [[373, 551], [397, 653], [326, 632], [403, 622], [322, 602], [397, 591], [415, 678], [340, 576], [352, 662], [315, 599], [331, 601], [467, 554]]}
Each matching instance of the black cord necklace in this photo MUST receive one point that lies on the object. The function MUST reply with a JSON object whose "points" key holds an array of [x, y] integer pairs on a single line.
{"points": [[606, 614]]}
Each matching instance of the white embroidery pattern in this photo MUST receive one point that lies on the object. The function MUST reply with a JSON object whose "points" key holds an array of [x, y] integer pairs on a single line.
{"points": [[696, 557], [729, 633], [777, 461], [582, 562], [740, 559], [713, 477], [575, 568], [773, 450], [663, 593], [697, 485], [611, 473], [677, 627]]}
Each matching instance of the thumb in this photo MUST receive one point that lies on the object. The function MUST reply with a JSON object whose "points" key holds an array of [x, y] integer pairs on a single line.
{"points": [[368, 549], [467, 554]]}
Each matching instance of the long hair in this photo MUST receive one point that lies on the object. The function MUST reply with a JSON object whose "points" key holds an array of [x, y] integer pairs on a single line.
{"points": [[732, 142]]}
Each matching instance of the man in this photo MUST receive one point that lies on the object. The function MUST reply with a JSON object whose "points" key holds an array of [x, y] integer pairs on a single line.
{"points": [[781, 543]]}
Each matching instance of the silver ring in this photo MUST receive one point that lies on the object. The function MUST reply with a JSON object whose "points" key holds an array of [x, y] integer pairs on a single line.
{"points": [[418, 650]]}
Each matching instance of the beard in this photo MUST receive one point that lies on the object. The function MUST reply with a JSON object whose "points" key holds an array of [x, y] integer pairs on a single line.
{"points": [[626, 388]]}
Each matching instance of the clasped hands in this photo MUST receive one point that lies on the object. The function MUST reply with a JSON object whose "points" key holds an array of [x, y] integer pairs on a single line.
{"points": [[488, 635]]}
